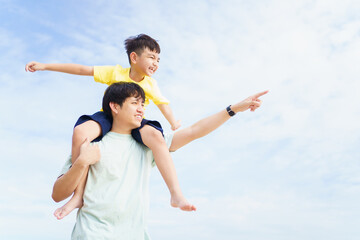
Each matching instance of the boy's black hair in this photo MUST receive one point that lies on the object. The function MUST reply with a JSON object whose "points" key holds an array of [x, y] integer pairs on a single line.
{"points": [[138, 43], [119, 92]]}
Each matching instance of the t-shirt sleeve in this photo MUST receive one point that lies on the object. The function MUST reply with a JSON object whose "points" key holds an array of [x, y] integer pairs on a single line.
{"points": [[168, 139], [66, 167], [104, 74], [156, 95]]}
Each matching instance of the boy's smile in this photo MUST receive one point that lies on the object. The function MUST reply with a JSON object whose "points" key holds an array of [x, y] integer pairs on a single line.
{"points": [[148, 62]]}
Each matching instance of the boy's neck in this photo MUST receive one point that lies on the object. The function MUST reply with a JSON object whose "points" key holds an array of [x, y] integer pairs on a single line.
{"points": [[135, 76]]}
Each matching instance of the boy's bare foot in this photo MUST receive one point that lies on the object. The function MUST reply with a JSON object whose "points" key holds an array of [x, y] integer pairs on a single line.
{"points": [[74, 202], [182, 203], [60, 213]]}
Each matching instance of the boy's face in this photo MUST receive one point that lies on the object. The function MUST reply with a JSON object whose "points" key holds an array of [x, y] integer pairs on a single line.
{"points": [[131, 113], [148, 62]]}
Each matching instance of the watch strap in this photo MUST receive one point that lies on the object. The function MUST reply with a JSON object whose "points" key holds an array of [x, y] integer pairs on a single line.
{"points": [[230, 112]]}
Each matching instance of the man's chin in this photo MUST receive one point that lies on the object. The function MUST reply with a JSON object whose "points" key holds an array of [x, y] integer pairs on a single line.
{"points": [[137, 124]]}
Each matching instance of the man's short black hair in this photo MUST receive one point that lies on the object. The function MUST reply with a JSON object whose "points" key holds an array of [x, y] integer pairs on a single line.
{"points": [[119, 92], [138, 43]]}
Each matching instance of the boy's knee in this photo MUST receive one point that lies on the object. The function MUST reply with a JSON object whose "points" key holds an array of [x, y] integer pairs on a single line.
{"points": [[79, 133], [151, 133]]}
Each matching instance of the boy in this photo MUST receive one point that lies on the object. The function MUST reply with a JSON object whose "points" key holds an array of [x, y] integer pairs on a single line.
{"points": [[143, 54]]}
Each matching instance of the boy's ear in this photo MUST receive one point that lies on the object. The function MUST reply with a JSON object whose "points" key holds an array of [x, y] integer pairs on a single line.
{"points": [[114, 107], [133, 57]]}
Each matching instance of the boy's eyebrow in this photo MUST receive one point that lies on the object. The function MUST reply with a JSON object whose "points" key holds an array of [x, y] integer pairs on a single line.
{"points": [[154, 55]]}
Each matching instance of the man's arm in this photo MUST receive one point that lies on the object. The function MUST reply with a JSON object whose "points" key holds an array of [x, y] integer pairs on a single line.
{"points": [[67, 183], [209, 124], [168, 114], [70, 68]]}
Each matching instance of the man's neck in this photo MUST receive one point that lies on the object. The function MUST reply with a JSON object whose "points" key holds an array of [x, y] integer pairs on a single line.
{"points": [[120, 128], [120, 131], [135, 76]]}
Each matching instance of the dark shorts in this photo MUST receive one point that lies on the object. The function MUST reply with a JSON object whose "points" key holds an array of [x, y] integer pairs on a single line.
{"points": [[106, 123]]}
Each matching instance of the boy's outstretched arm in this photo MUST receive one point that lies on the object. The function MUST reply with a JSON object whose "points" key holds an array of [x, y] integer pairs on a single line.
{"points": [[209, 124], [70, 68], [66, 184], [168, 114]]}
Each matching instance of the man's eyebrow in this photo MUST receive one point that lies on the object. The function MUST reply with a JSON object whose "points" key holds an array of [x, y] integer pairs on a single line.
{"points": [[140, 98]]}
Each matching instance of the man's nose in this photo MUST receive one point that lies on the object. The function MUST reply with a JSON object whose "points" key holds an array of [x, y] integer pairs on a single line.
{"points": [[140, 108]]}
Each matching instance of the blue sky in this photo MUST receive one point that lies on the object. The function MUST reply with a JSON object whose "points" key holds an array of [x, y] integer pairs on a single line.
{"points": [[288, 171]]}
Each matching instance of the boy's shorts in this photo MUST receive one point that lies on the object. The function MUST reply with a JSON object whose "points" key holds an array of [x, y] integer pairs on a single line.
{"points": [[106, 123]]}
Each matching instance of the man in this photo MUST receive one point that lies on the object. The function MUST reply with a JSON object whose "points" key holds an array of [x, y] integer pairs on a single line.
{"points": [[115, 201]]}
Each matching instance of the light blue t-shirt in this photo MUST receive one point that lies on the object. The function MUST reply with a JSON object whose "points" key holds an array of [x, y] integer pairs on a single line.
{"points": [[116, 197]]}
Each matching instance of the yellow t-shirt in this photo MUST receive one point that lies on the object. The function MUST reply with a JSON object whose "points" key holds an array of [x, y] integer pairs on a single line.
{"points": [[113, 74]]}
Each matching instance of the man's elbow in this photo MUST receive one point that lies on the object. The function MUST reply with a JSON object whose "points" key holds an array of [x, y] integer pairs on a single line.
{"points": [[55, 197]]}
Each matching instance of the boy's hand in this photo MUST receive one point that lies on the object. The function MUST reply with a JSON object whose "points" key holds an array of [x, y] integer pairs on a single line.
{"points": [[89, 154], [34, 66], [176, 125]]}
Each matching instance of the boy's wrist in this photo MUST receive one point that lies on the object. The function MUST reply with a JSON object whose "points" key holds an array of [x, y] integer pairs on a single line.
{"points": [[44, 66]]}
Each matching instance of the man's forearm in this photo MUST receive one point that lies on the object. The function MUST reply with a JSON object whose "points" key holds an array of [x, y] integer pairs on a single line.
{"points": [[66, 184], [70, 68], [199, 129], [209, 124]]}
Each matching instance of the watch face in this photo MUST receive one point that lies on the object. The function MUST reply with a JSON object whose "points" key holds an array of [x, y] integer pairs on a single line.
{"points": [[230, 112]]}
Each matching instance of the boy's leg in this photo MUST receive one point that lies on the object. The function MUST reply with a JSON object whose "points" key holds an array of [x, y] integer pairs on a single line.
{"points": [[153, 139], [90, 130]]}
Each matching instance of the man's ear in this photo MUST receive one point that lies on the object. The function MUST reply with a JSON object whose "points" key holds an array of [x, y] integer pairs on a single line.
{"points": [[114, 107], [133, 57]]}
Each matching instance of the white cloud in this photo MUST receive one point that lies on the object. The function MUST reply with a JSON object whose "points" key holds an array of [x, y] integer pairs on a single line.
{"points": [[287, 170]]}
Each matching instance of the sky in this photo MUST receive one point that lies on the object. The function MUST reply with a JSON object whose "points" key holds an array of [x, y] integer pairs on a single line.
{"points": [[289, 170]]}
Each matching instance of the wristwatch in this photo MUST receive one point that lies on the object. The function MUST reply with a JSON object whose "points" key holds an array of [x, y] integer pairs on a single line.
{"points": [[230, 112]]}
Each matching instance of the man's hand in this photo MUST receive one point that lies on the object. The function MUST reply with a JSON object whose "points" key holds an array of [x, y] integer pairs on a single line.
{"points": [[89, 154], [252, 103], [34, 66], [176, 125]]}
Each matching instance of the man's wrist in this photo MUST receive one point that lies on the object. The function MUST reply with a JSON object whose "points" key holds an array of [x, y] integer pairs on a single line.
{"points": [[230, 111], [81, 162]]}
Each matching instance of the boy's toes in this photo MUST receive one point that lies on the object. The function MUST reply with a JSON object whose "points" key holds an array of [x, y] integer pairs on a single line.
{"points": [[188, 207]]}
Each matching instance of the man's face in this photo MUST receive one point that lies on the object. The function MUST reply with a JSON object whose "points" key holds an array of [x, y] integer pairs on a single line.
{"points": [[131, 113], [148, 62]]}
